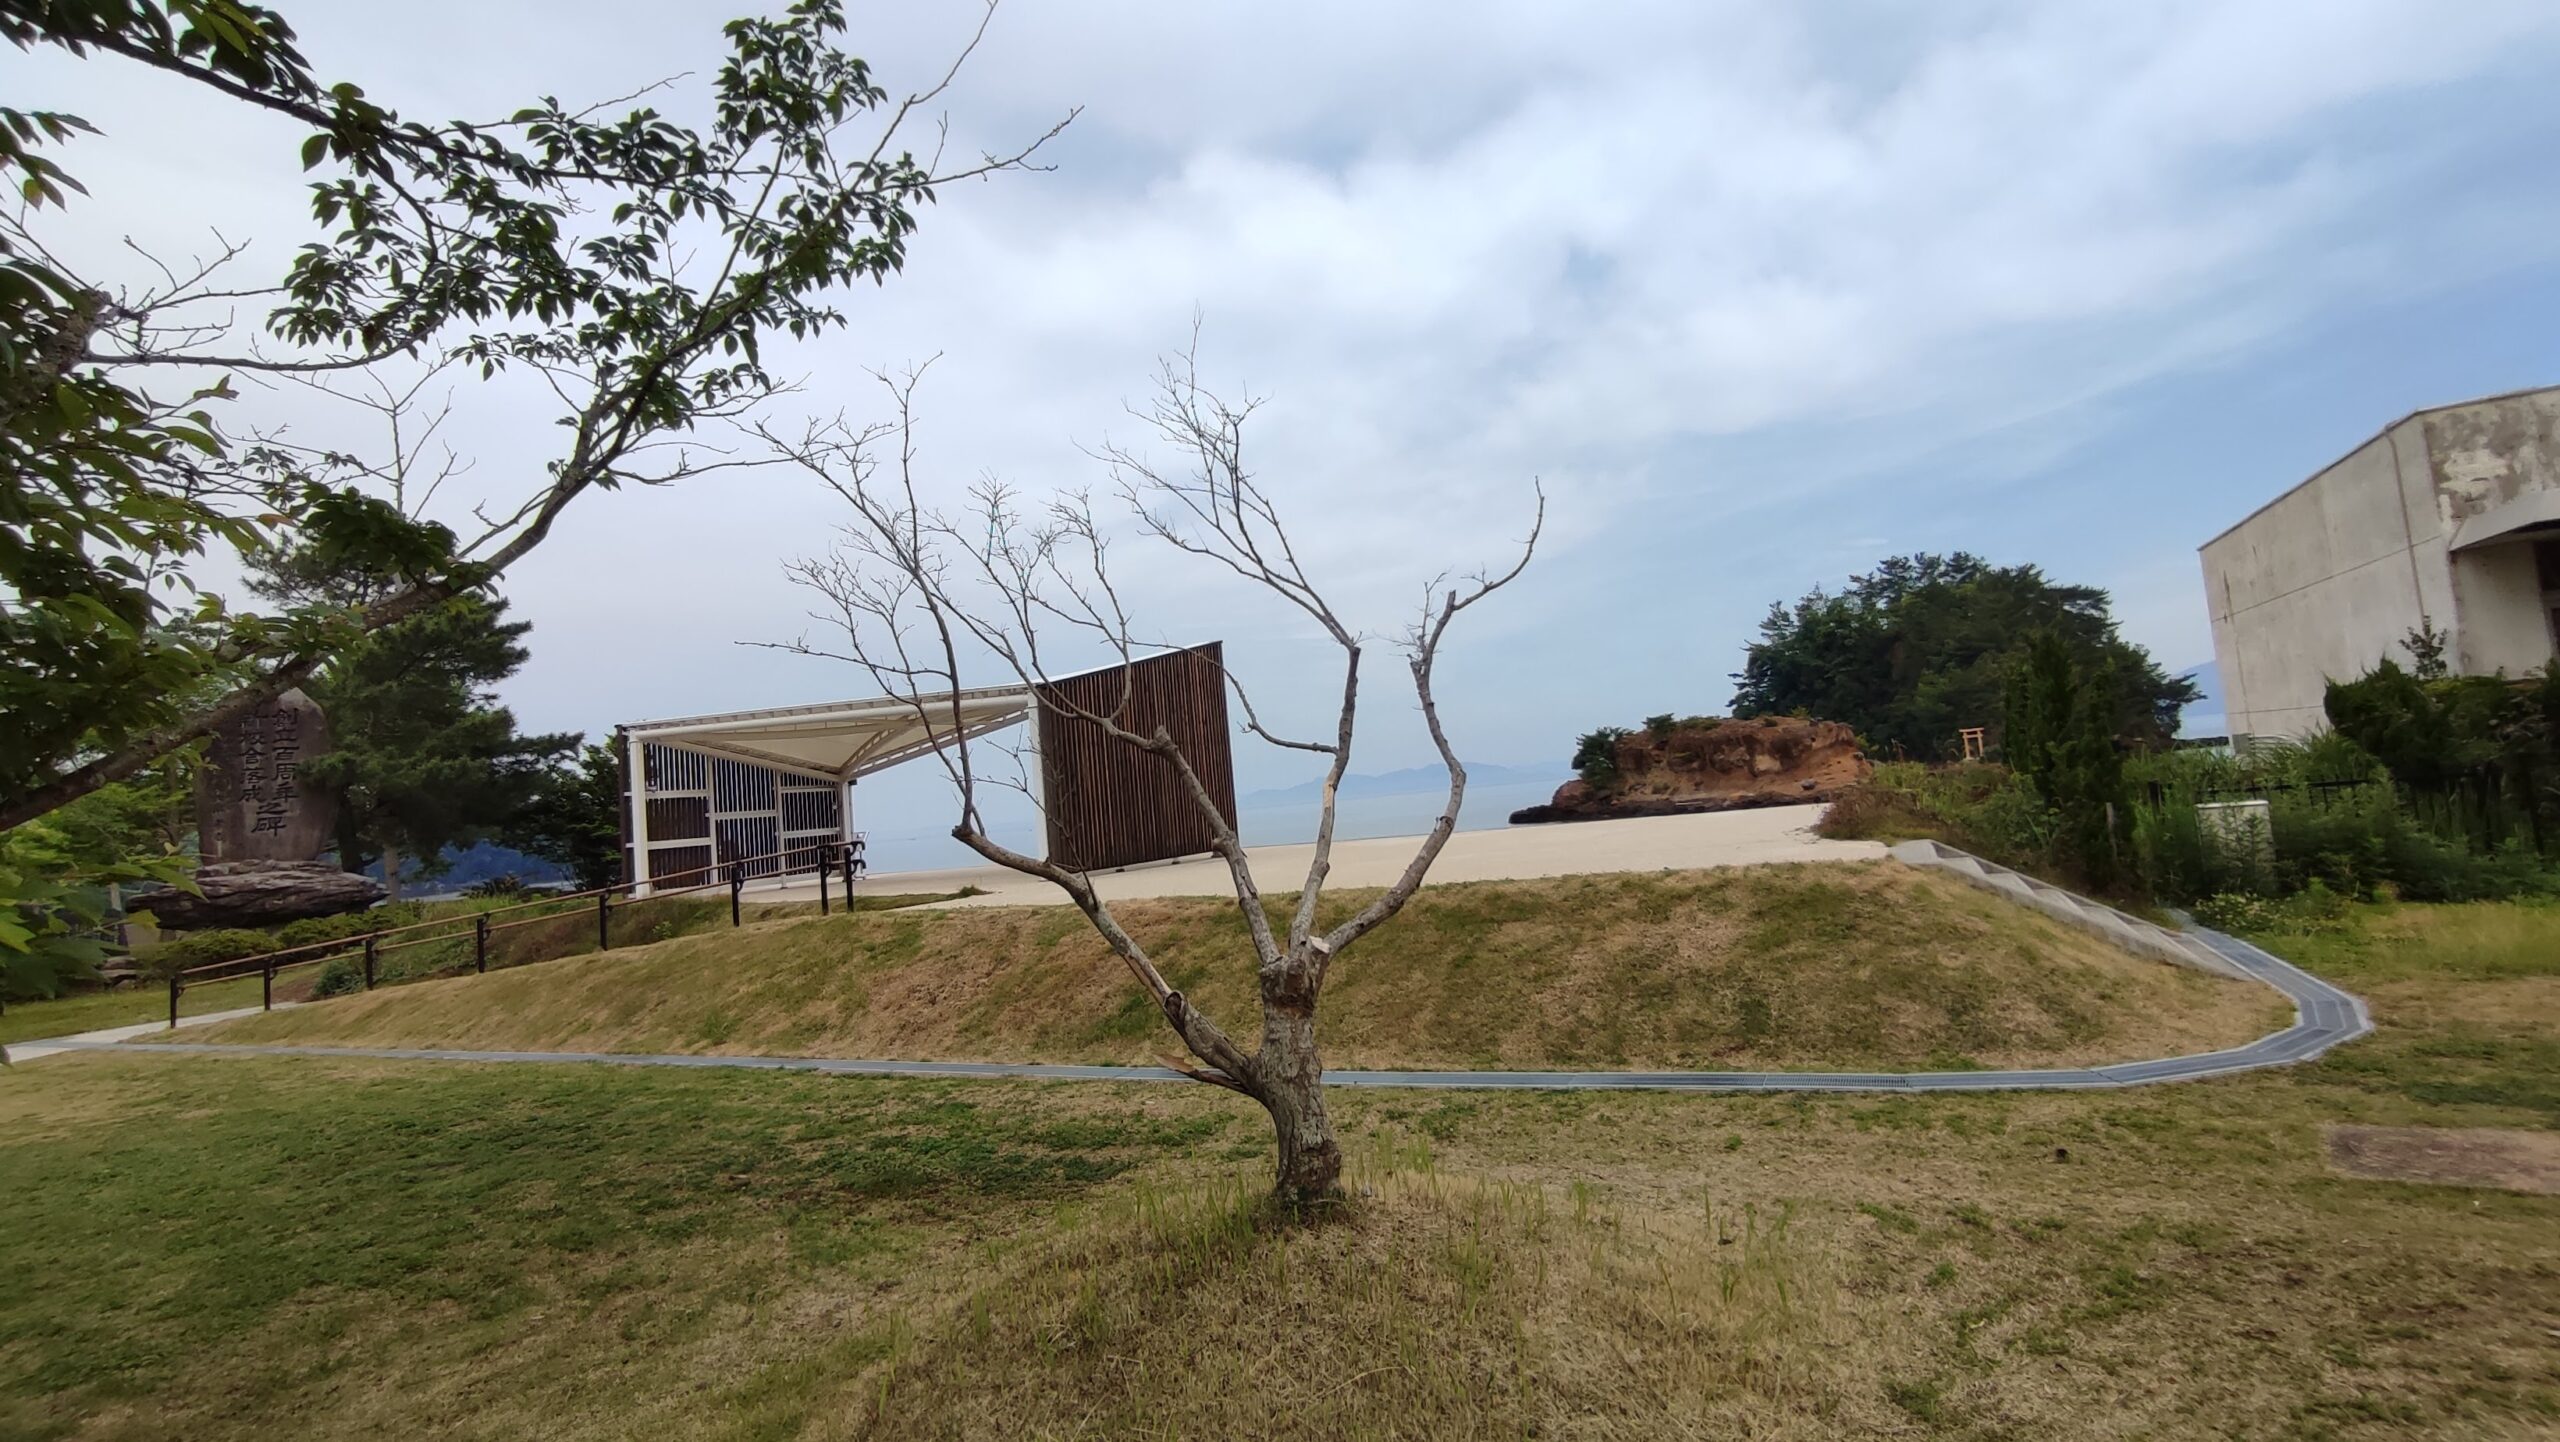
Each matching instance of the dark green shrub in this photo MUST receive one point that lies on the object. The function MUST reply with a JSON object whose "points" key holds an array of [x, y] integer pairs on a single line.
{"points": [[2479, 755], [353, 923], [2317, 909], [2236, 911], [1978, 808], [340, 976], [1659, 727], [2058, 731], [1595, 755], [2172, 857], [200, 948]]}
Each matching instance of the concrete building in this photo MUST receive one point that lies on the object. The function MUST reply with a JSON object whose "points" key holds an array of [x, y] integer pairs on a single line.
{"points": [[2450, 519]]}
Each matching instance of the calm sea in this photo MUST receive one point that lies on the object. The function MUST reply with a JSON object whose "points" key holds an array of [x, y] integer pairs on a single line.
{"points": [[902, 848]]}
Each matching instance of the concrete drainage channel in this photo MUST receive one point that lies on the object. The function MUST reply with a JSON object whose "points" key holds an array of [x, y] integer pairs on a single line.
{"points": [[2324, 1016]]}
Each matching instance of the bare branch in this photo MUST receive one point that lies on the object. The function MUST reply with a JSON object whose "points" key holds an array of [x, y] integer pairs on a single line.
{"points": [[912, 588]]}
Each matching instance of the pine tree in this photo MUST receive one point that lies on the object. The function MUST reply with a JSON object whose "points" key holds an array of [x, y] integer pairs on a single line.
{"points": [[1921, 648], [2060, 739], [422, 758], [575, 818]]}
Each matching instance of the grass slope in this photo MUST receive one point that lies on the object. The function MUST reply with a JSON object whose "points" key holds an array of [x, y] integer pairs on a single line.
{"points": [[1831, 965], [570, 933], [219, 1248], [97, 1010]]}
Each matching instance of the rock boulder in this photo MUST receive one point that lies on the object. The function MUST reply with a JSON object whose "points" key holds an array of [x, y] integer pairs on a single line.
{"points": [[262, 893], [1715, 765]]}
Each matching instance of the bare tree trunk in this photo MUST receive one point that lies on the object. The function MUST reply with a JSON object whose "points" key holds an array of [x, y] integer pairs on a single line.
{"points": [[390, 872], [1027, 568], [1289, 1082]]}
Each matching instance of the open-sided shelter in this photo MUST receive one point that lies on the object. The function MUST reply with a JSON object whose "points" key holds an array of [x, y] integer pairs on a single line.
{"points": [[770, 792]]}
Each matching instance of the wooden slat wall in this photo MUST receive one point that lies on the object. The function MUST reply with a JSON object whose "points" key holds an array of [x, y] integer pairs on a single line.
{"points": [[1111, 804]]}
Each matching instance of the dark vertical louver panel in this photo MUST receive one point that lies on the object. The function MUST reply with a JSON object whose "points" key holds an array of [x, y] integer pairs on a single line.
{"points": [[1112, 804], [681, 866]]}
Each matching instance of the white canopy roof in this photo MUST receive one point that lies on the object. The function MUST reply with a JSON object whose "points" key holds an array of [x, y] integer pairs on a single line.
{"points": [[842, 739]]}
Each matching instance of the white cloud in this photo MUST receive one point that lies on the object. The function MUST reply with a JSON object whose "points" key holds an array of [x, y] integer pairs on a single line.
{"points": [[1463, 245]]}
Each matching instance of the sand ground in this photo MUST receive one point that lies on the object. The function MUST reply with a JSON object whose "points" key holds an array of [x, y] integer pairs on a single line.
{"points": [[1646, 843]]}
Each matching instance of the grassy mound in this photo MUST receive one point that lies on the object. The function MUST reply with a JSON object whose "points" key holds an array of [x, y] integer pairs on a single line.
{"points": [[1831, 965]]}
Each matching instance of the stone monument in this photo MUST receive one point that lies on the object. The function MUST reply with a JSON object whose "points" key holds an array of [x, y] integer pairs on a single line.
{"points": [[261, 830], [250, 803]]}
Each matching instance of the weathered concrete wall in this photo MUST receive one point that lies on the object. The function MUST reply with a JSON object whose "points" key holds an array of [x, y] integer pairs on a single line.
{"points": [[2324, 582], [2328, 578], [2499, 598], [2482, 455]]}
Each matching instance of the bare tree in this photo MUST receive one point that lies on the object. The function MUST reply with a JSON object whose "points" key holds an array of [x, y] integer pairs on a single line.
{"points": [[914, 591]]}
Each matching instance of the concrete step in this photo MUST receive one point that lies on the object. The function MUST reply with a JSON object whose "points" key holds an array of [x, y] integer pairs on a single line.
{"points": [[2134, 934]]}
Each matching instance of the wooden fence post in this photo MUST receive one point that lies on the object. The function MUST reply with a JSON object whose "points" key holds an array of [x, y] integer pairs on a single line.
{"points": [[174, 985], [480, 943], [604, 921], [369, 943]]}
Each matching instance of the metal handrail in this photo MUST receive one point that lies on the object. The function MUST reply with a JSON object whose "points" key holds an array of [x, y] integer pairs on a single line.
{"points": [[479, 927]]}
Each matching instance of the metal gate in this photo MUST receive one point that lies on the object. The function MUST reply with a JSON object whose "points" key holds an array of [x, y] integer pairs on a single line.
{"points": [[710, 811]]}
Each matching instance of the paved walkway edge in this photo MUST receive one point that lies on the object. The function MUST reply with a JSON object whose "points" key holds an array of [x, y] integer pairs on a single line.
{"points": [[81, 1041], [2323, 1017]]}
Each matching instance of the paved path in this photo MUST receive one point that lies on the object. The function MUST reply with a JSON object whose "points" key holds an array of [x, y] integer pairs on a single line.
{"points": [[109, 1036], [1638, 843], [2323, 1017]]}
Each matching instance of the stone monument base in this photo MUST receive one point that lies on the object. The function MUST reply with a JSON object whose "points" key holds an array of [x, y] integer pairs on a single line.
{"points": [[262, 893]]}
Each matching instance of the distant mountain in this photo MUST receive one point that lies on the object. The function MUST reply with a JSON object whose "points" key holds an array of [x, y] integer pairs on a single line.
{"points": [[477, 863], [1410, 781]]}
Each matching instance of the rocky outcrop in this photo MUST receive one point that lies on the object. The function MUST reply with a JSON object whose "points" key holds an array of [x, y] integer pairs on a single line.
{"points": [[261, 893], [1715, 766]]}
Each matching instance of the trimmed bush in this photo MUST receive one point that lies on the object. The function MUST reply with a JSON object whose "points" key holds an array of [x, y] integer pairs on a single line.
{"points": [[343, 976]]}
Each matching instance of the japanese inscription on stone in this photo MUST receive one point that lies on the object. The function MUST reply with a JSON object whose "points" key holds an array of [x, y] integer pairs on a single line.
{"points": [[251, 804]]}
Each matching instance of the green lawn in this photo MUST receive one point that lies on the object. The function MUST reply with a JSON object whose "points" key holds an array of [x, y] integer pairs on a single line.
{"points": [[250, 1247], [93, 1011], [404, 1251], [2469, 995]]}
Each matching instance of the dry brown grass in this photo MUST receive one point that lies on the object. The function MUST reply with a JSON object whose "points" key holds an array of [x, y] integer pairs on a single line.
{"points": [[592, 1253], [1439, 1305], [241, 1247], [2518, 1161], [1831, 965]]}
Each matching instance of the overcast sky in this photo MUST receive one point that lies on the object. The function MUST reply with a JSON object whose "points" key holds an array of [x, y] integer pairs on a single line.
{"points": [[1762, 293]]}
